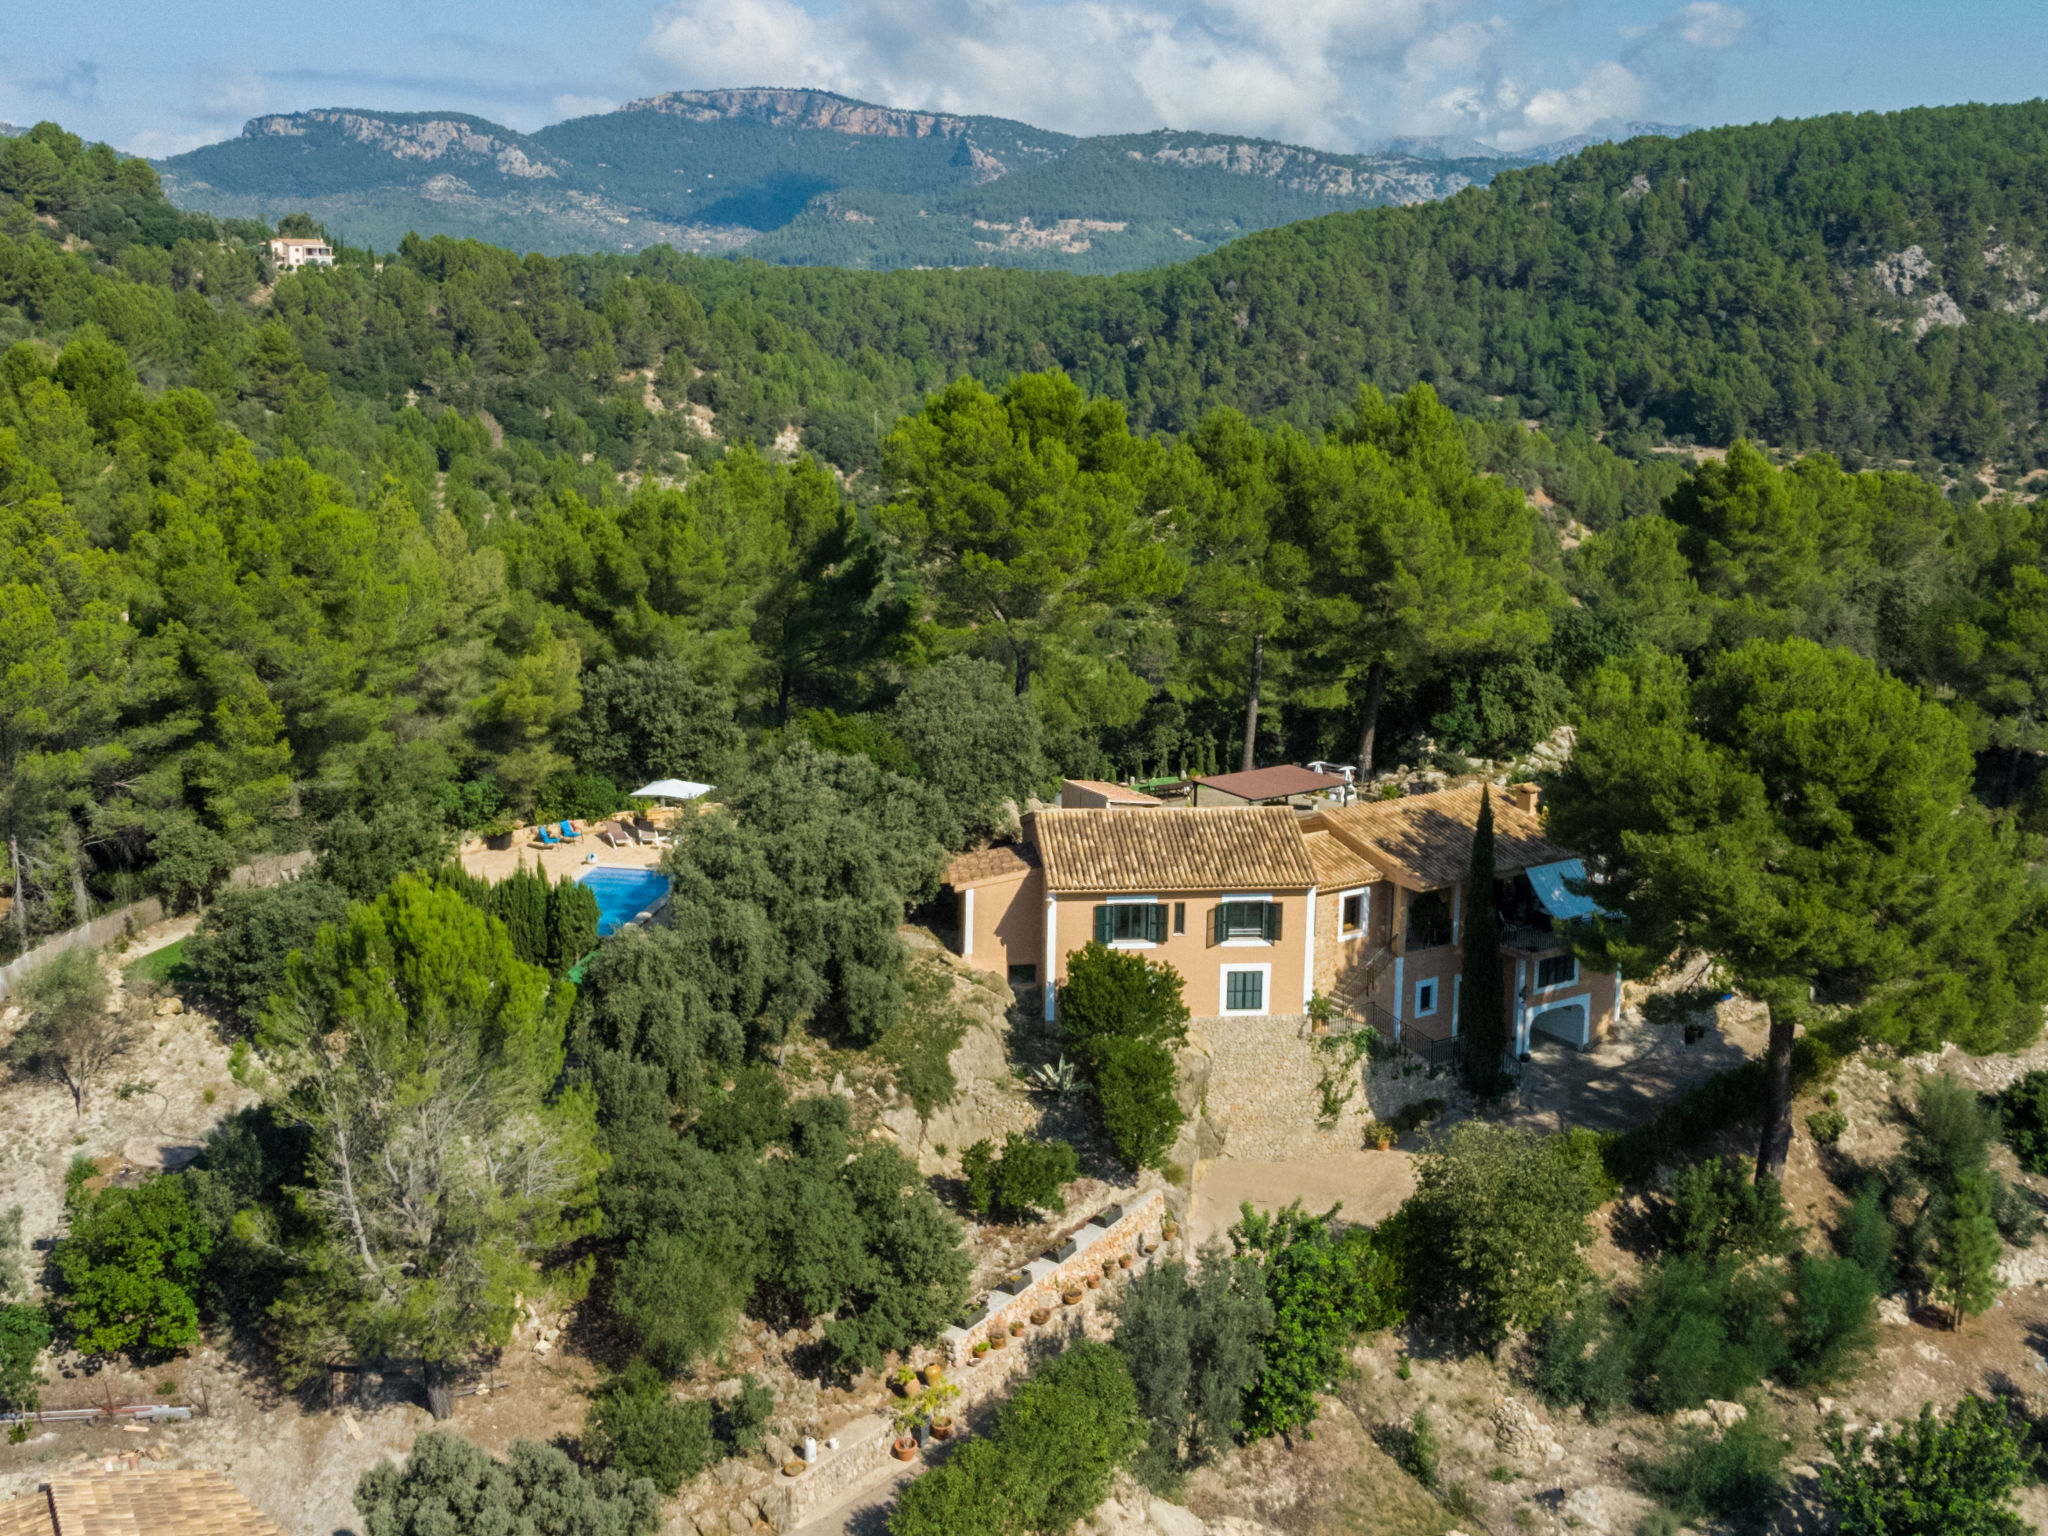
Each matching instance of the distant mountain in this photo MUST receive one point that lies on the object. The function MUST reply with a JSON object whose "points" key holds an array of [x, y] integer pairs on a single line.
{"points": [[11, 131], [802, 178]]}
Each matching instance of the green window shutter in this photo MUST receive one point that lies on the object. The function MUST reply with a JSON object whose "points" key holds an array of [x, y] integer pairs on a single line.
{"points": [[1103, 933], [1272, 922], [1155, 922], [1216, 924]]}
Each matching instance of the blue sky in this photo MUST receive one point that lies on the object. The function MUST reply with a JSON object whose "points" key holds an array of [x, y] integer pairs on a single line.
{"points": [[156, 78]]}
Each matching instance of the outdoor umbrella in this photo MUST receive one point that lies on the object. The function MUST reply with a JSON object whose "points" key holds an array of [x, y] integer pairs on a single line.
{"points": [[672, 789]]}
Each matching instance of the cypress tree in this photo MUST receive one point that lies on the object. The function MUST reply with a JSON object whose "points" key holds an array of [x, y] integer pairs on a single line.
{"points": [[1482, 1000], [520, 902], [572, 924]]}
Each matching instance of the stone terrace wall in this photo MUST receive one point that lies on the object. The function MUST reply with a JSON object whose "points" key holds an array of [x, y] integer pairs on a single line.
{"points": [[1262, 1099], [864, 1444]]}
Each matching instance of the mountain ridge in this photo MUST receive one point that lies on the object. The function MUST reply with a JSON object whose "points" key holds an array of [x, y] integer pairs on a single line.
{"points": [[798, 177]]}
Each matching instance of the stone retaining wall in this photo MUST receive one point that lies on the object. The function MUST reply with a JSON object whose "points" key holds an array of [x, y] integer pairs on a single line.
{"points": [[864, 1445]]}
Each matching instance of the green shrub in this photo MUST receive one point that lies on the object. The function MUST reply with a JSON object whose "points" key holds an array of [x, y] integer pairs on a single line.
{"points": [[681, 1296], [1704, 1329], [1027, 1178], [1582, 1357], [1135, 1083], [638, 1426], [238, 956], [129, 1266], [1047, 1461], [1832, 1326], [1961, 1255], [1413, 1446], [1499, 1219], [1192, 1347], [1737, 1474], [449, 1485], [1325, 1284], [572, 920], [24, 1335], [1868, 1238], [1928, 1478], [743, 1418], [1717, 1208], [1826, 1126], [2024, 1108]]}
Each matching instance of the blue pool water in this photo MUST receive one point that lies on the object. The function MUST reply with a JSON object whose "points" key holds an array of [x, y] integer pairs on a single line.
{"points": [[623, 894]]}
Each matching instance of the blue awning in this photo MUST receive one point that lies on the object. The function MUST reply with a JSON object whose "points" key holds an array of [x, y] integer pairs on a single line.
{"points": [[1548, 881]]}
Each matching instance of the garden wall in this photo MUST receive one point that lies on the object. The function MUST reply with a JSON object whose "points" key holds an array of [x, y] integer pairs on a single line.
{"points": [[109, 926]]}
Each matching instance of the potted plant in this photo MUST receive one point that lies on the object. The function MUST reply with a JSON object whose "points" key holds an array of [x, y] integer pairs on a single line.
{"points": [[497, 832], [997, 1341], [905, 1420], [1017, 1328], [1169, 1228], [1123, 1261], [982, 1347], [1320, 1010], [938, 1402], [1094, 1282], [907, 1384], [1040, 1316], [796, 1466], [1071, 1297]]}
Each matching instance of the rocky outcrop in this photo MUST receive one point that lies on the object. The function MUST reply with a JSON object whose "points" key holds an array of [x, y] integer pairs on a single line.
{"points": [[431, 139], [820, 111]]}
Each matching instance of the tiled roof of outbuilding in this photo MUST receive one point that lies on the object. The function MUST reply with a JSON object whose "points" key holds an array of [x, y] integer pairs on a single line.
{"points": [[1224, 848], [1338, 865], [1424, 842], [997, 863], [193, 1501], [1272, 783]]}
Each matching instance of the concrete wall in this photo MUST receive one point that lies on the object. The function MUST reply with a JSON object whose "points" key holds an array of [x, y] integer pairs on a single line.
{"points": [[1008, 924], [109, 926]]}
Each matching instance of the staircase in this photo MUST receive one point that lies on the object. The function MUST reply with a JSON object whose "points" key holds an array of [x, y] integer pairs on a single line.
{"points": [[1354, 989]]}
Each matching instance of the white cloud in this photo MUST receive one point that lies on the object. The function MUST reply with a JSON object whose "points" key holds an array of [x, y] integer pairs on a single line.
{"points": [[1339, 74], [579, 106], [1710, 24]]}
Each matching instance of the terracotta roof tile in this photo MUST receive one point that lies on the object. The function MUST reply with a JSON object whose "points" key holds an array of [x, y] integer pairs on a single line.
{"points": [[1272, 783], [1115, 794], [997, 863], [28, 1515], [1424, 842], [184, 1502], [1338, 865], [1223, 848]]}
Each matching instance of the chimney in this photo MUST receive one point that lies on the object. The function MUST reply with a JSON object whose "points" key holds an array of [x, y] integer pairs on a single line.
{"points": [[1525, 796]]}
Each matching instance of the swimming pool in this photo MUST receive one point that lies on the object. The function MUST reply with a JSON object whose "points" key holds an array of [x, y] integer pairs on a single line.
{"points": [[623, 894]]}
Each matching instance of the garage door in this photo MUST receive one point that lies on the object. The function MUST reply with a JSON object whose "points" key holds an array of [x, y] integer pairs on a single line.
{"points": [[1566, 1022]]}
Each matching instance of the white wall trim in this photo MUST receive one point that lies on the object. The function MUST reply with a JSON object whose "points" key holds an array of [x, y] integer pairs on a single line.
{"points": [[1400, 961], [1052, 953], [1265, 970], [967, 923], [1308, 953], [1556, 986], [1346, 935], [1436, 997], [1584, 1005]]}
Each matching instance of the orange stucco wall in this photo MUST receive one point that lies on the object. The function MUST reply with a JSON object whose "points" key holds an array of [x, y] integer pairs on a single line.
{"points": [[1199, 960], [1006, 930]]}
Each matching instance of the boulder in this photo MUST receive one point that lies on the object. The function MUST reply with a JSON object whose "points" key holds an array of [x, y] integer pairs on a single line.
{"points": [[1171, 1520]]}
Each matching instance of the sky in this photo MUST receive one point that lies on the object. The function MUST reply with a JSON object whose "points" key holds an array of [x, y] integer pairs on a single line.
{"points": [[156, 78]]}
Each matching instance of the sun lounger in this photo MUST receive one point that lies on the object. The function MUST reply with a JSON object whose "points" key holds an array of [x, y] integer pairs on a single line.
{"points": [[569, 832], [545, 838], [618, 834]]}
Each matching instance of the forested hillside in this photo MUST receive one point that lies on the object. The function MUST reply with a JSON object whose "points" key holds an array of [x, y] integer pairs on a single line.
{"points": [[364, 557]]}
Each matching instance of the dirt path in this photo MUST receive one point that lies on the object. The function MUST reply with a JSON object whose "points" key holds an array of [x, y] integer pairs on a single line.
{"points": [[1371, 1186]]}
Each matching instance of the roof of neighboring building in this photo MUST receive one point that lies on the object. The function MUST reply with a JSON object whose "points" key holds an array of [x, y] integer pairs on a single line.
{"points": [[1273, 783], [985, 864], [298, 240], [1215, 848], [186, 1502], [1115, 794], [1338, 865], [1424, 842]]}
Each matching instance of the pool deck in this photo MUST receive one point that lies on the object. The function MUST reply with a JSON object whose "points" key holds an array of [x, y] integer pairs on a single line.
{"points": [[496, 863]]}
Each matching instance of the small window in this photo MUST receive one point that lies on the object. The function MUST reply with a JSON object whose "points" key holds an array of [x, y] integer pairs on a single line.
{"points": [[1425, 999], [1023, 975], [1244, 991], [1180, 917], [1556, 971], [1247, 920], [1351, 916], [1130, 922]]}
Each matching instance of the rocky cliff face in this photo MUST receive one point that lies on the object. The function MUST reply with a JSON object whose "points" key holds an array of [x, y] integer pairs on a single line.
{"points": [[428, 139], [818, 111]]}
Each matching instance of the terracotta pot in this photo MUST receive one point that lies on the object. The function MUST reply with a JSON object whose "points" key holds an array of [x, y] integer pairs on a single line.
{"points": [[905, 1449], [1123, 1261], [942, 1429], [911, 1388], [1017, 1330], [982, 1348], [998, 1341], [933, 1374], [1095, 1282], [795, 1467], [1071, 1298], [1039, 1316]]}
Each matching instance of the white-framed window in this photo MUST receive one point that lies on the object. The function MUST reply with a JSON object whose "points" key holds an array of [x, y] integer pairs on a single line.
{"points": [[1354, 911], [1426, 992], [1556, 971], [1125, 922], [1247, 988]]}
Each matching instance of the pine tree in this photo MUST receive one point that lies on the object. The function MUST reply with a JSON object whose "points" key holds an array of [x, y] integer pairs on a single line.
{"points": [[520, 902], [1967, 1247], [1482, 1000]]}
